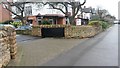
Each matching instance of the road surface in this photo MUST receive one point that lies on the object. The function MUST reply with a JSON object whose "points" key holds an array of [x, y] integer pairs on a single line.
{"points": [[102, 50], [119, 44], [25, 38]]}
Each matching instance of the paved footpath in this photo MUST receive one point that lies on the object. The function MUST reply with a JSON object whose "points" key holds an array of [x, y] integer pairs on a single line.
{"points": [[102, 50], [39, 51]]}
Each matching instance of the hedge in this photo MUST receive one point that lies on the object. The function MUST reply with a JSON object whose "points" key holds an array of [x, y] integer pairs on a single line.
{"points": [[104, 24]]}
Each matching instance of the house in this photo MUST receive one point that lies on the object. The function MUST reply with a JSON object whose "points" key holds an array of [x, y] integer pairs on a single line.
{"points": [[51, 18], [5, 15], [31, 10], [46, 11]]}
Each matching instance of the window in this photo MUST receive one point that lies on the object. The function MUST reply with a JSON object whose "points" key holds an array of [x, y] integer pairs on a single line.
{"points": [[51, 21], [28, 11], [39, 22]]}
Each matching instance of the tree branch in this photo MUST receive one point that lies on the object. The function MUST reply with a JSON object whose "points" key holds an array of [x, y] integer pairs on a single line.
{"points": [[77, 10], [56, 8], [65, 5], [10, 10], [83, 3]]}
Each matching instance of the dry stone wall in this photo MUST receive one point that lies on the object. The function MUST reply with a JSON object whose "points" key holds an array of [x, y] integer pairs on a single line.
{"points": [[36, 30], [4, 49], [8, 46], [70, 31], [81, 31]]}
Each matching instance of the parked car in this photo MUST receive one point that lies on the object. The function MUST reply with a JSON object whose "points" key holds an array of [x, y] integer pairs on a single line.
{"points": [[116, 22], [24, 28], [1, 26], [6, 25]]}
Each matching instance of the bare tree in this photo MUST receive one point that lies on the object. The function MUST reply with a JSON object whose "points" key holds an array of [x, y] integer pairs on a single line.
{"points": [[76, 6], [101, 13], [19, 8], [19, 5]]}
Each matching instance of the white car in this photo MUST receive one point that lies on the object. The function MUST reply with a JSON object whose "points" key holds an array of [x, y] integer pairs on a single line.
{"points": [[116, 22], [24, 28], [8, 25]]}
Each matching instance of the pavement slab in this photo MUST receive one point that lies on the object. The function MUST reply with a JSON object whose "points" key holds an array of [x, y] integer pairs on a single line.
{"points": [[37, 52]]}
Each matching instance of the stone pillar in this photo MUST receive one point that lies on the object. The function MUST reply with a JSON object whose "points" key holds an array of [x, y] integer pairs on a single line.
{"points": [[4, 49], [12, 41], [13, 45], [11, 33], [68, 32], [36, 31], [8, 46]]}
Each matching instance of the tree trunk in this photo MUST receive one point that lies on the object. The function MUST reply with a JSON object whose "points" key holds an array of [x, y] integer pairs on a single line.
{"points": [[72, 20], [22, 20]]}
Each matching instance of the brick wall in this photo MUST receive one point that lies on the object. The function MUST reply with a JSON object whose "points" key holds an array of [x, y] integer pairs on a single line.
{"points": [[0, 13], [4, 14]]}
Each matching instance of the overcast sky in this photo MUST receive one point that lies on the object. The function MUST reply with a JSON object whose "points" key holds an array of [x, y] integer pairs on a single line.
{"points": [[110, 5]]}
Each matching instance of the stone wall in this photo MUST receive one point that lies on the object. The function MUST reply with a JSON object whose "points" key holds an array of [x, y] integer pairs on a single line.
{"points": [[8, 48], [36, 30], [4, 49], [70, 31], [24, 32], [81, 31]]}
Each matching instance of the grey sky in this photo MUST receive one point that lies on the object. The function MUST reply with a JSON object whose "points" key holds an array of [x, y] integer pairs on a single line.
{"points": [[110, 5]]}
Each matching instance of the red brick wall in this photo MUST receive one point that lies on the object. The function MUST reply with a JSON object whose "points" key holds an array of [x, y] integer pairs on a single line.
{"points": [[61, 21], [0, 13], [4, 14], [34, 19]]}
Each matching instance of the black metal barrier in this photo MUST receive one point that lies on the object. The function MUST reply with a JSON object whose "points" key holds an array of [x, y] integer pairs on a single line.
{"points": [[52, 32]]}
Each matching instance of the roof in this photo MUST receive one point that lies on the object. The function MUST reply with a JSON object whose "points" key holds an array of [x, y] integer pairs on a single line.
{"points": [[51, 15]]}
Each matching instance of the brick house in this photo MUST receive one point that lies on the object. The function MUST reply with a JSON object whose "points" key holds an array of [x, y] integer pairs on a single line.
{"points": [[4, 14], [52, 18]]}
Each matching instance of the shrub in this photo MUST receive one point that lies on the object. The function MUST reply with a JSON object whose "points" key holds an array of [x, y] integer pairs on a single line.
{"points": [[16, 24], [104, 24], [94, 23], [96, 19], [45, 22]]}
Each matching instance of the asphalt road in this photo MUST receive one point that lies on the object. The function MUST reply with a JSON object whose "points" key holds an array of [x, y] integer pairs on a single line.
{"points": [[25, 38], [102, 50], [119, 44]]}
